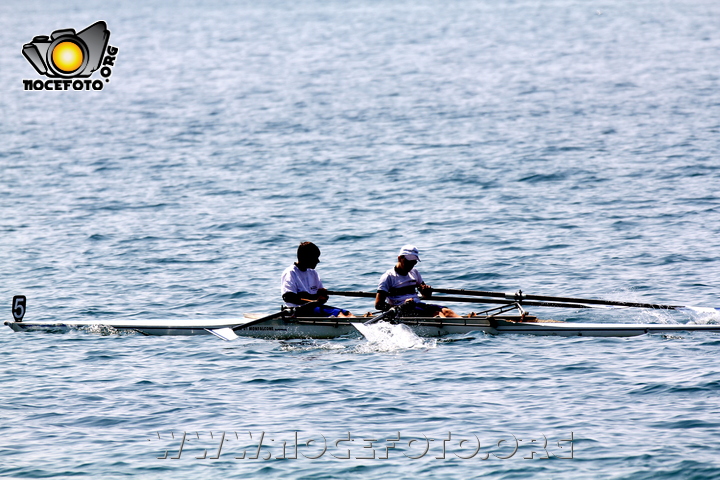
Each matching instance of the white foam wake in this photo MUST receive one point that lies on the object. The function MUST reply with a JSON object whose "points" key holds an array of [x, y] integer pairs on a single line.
{"points": [[705, 315], [386, 337]]}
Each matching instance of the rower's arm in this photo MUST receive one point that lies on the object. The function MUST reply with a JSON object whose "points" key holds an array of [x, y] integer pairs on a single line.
{"points": [[296, 298], [380, 301], [304, 297]]}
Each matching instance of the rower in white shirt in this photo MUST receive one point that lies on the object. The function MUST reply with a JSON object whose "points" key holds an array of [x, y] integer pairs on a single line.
{"points": [[300, 283], [400, 286]]}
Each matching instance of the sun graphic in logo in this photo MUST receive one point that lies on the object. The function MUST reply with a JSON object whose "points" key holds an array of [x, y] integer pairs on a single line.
{"points": [[67, 56]]}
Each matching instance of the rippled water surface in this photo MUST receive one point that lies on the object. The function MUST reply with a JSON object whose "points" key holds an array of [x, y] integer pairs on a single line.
{"points": [[561, 148]]}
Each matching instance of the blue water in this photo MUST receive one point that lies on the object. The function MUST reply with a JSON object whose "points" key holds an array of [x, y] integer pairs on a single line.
{"points": [[561, 148]]}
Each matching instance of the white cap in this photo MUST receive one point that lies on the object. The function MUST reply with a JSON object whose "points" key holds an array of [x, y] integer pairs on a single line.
{"points": [[410, 252]]}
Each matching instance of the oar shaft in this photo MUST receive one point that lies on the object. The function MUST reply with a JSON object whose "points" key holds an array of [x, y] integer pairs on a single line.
{"points": [[521, 297], [470, 300], [353, 294], [387, 314], [474, 293], [530, 303], [260, 320], [272, 316], [528, 300], [605, 302]]}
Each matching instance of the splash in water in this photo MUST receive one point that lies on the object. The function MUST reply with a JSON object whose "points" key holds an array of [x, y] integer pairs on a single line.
{"points": [[386, 337], [705, 315]]}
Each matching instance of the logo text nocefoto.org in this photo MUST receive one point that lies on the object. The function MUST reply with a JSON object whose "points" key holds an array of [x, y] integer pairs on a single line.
{"points": [[69, 58]]}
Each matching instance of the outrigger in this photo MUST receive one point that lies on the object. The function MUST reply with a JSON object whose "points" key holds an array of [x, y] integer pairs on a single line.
{"points": [[285, 324]]}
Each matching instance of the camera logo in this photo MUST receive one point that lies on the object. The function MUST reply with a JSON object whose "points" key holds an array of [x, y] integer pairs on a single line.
{"points": [[67, 55]]}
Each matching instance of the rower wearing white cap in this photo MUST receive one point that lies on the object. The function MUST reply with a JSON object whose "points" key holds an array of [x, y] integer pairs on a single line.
{"points": [[400, 285]]}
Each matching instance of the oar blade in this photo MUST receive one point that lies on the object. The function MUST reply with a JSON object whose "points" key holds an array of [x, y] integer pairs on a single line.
{"points": [[364, 330], [225, 333]]}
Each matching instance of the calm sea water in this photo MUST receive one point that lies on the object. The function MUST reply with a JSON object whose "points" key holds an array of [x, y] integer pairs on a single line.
{"points": [[561, 148]]}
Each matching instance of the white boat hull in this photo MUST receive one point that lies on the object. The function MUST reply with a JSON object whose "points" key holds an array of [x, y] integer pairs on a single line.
{"points": [[280, 328]]}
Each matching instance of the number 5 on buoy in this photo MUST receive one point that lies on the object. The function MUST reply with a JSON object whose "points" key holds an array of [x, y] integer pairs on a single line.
{"points": [[18, 307]]}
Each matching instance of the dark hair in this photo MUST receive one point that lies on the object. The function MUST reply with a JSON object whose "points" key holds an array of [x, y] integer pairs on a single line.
{"points": [[307, 250]]}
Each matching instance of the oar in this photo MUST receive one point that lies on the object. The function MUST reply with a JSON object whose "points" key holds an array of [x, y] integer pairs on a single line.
{"points": [[531, 303], [470, 300], [364, 329], [353, 294], [545, 301], [228, 333], [521, 297]]}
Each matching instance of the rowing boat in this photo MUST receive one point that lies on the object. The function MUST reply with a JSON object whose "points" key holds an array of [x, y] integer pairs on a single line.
{"points": [[286, 325], [311, 327]]}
